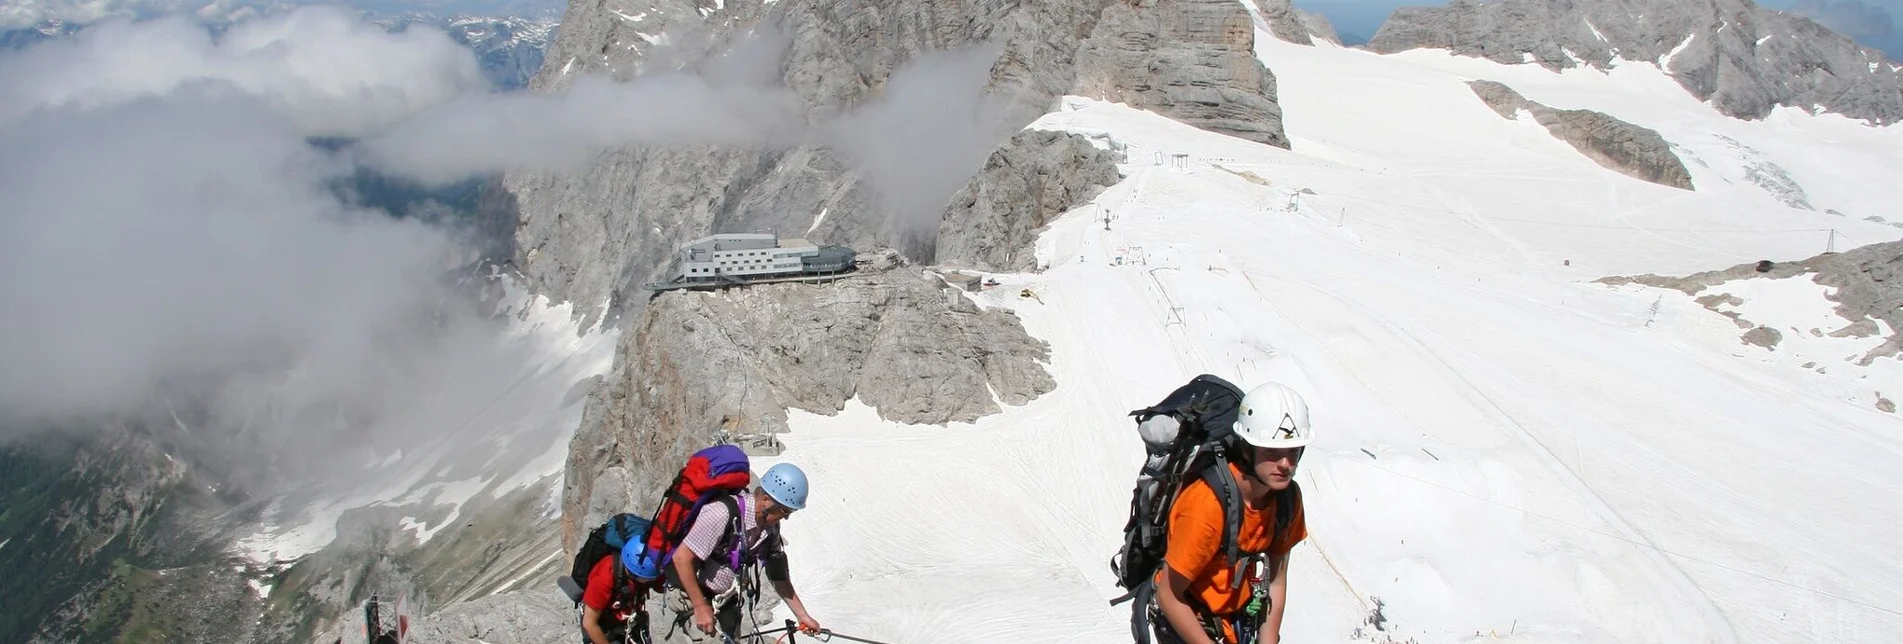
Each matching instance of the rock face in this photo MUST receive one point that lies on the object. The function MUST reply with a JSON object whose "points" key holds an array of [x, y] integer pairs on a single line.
{"points": [[992, 223], [535, 615], [1190, 60], [1635, 151], [593, 235], [1744, 59], [730, 362], [1295, 25], [109, 537], [541, 615]]}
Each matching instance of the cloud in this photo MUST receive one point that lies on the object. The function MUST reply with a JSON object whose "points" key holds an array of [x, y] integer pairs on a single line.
{"points": [[175, 248], [552, 132], [929, 131], [28, 13], [173, 245], [734, 99], [929, 128], [330, 72]]}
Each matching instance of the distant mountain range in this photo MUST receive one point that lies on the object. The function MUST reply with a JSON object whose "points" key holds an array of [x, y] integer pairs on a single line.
{"points": [[508, 45]]}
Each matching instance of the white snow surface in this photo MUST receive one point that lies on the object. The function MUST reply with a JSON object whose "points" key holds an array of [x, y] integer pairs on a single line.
{"points": [[1508, 451], [520, 439], [1799, 309]]}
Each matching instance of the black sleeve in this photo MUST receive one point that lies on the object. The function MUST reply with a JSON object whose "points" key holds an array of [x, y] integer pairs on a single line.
{"points": [[775, 559]]}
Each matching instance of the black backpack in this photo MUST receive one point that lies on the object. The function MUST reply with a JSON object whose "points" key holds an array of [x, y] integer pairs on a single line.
{"points": [[1205, 414], [604, 541]]}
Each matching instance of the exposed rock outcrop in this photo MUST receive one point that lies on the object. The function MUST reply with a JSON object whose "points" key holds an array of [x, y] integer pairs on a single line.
{"points": [[1038, 175], [536, 615], [539, 615], [1868, 282], [1295, 25], [1190, 60], [1635, 151], [732, 361], [1743, 58]]}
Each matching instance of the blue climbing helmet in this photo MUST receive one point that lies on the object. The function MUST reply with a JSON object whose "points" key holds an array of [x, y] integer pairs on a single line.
{"points": [[635, 558], [786, 483]]}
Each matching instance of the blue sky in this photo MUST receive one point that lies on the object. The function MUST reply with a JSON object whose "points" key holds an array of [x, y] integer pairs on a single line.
{"points": [[1871, 22]]}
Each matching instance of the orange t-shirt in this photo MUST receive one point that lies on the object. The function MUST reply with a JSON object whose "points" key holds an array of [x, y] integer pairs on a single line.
{"points": [[1195, 544]]}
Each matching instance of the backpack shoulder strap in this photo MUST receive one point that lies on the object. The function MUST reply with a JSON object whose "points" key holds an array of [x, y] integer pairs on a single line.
{"points": [[1286, 502], [734, 537], [1223, 484]]}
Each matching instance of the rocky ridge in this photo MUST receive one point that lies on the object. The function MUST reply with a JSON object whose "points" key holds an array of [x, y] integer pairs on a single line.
{"points": [[993, 221], [729, 363], [589, 236], [1190, 60], [1868, 282], [1632, 150], [1744, 59], [1294, 25]]}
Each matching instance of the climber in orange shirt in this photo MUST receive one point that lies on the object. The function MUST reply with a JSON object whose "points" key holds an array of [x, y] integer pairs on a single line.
{"points": [[1199, 598]]}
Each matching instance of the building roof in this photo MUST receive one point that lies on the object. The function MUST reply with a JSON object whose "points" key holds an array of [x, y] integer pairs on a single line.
{"points": [[730, 236]]}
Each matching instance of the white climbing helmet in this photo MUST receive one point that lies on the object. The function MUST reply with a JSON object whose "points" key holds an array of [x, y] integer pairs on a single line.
{"points": [[1273, 415]]}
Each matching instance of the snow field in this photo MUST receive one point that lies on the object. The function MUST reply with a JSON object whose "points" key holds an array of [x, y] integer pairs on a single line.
{"points": [[1508, 451]]}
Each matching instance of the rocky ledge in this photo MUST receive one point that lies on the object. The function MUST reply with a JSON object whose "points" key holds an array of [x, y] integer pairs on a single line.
{"points": [[1635, 151]]}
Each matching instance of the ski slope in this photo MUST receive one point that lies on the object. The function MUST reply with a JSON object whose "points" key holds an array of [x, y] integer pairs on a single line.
{"points": [[1507, 452]]}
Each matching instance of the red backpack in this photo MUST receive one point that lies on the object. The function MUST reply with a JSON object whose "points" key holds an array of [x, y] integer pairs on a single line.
{"points": [[711, 474]]}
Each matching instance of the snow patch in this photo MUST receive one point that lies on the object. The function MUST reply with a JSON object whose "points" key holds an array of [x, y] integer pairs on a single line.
{"points": [[311, 531], [816, 219], [1595, 32], [635, 19], [518, 440], [456, 494], [1665, 62]]}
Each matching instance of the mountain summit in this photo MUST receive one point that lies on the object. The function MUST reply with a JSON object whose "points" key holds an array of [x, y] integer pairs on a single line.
{"points": [[1741, 57]]}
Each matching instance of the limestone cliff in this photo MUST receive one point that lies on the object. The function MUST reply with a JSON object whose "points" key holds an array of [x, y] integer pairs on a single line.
{"points": [[698, 365], [1632, 150]]}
